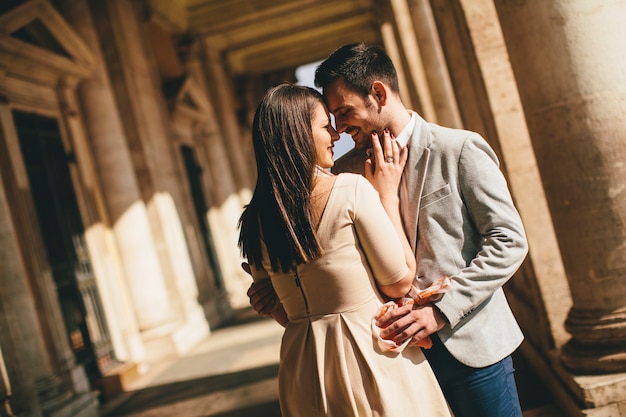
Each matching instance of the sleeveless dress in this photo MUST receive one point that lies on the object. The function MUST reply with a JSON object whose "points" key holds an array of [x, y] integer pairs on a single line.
{"points": [[330, 364]]}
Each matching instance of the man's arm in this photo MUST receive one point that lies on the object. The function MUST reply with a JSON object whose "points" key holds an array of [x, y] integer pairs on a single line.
{"points": [[489, 204], [501, 244]]}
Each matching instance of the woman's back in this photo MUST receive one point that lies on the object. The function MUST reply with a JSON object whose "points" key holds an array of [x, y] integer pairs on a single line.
{"points": [[340, 280]]}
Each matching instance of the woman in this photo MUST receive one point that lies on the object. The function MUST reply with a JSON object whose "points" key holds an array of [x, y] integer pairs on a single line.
{"points": [[327, 243]]}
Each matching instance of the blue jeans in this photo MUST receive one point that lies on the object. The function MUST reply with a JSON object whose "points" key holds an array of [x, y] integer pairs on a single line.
{"points": [[475, 392]]}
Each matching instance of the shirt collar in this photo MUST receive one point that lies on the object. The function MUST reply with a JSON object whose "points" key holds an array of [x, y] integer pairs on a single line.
{"points": [[405, 135]]}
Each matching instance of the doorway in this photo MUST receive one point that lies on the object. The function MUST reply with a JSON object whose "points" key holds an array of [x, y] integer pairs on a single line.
{"points": [[194, 172], [63, 233]]}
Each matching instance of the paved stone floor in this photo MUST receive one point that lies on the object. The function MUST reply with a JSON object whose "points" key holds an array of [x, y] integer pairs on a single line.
{"points": [[233, 374]]}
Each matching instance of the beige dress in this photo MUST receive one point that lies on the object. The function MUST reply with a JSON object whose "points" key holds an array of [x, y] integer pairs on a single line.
{"points": [[330, 364]]}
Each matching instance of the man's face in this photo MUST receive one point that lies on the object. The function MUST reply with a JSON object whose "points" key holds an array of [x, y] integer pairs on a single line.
{"points": [[354, 115]]}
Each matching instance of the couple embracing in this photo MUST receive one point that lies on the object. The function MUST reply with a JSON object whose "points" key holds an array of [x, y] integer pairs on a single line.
{"points": [[328, 250]]}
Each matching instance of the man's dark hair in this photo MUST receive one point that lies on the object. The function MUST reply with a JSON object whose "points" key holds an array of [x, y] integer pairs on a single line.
{"points": [[359, 65]]}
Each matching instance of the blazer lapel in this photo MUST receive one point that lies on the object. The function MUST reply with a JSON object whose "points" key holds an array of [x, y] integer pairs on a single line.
{"points": [[417, 164]]}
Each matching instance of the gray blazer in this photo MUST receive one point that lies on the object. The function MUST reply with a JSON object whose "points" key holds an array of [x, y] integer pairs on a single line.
{"points": [[463, 224]]}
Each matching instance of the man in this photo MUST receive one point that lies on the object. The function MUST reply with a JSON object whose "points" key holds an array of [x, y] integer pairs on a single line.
{"points": [[461, 222]]}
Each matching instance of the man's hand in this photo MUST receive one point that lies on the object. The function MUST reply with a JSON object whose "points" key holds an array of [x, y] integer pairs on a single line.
{"points": [[262, 296], [408, 321]]}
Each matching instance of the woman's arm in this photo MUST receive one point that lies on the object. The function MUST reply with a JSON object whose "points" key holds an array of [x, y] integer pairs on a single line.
{"points": [[385, 176]]}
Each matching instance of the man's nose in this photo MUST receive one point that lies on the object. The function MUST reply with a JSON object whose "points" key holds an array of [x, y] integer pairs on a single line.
{"points": [[340, 122]]}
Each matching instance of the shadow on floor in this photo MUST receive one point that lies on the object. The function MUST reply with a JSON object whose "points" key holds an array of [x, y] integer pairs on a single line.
{"points": [[532, 391], [176, 392], [271, 409]]}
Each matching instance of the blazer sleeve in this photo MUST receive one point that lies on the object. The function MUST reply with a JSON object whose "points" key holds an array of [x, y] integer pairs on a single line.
{"points": [[494, 224], [376, 235]]}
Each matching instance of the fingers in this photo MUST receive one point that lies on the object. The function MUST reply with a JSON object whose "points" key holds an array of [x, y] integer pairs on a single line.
{"points": [[384, 169], [262, 286], [263, 305], [377, 150], [400, 331], [386, 150], [262, 297], [390, 319], [407, 322], [400, 153], [389, 149]]}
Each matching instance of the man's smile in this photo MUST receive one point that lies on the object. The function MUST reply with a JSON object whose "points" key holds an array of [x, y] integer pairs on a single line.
{"points": [[354, 132]]}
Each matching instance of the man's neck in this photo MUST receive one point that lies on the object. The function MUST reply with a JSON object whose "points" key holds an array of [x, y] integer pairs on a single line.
{"points": [[400, 117]]}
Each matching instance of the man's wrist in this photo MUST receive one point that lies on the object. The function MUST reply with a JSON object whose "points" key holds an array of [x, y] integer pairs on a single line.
{"points": [[439, 315]]}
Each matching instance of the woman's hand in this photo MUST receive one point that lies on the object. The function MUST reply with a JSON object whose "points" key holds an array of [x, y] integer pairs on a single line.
{"points": [[385, 170]]}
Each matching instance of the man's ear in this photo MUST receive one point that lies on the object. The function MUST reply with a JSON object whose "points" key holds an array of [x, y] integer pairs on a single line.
{"points": [[379, 92]]}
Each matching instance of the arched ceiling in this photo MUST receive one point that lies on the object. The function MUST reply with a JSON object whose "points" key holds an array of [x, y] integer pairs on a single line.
{"points": [[263, 36]]}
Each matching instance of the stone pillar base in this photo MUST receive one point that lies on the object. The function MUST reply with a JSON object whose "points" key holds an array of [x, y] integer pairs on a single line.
{"points": [[118, 380], [593, 359], [600, 395]]}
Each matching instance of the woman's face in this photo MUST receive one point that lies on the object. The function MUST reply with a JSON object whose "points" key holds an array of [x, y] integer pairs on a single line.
{"points": [[324, 136]]}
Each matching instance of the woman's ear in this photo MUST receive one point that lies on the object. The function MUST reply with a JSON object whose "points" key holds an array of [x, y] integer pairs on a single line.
{"points": [[379, 92]]}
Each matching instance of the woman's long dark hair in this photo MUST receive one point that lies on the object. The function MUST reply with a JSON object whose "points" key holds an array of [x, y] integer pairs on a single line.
{"points": [[279, 212]]}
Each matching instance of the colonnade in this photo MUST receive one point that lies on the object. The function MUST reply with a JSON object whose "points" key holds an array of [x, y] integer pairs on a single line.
{"points": [[543, 82]]}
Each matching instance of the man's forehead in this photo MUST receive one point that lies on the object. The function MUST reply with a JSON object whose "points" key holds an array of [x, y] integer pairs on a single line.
{"points": [[336, 95], [334, 102], [335, 106]]}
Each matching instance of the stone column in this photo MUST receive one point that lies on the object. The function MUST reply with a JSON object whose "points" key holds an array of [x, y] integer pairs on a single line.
{"points": [[412, 54], [227, 201], [26, 361], [122, 196], [223, 182], [147, 127], [393, 50], [231, 134], [463, 68], [569, 60], [434, 64]]}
